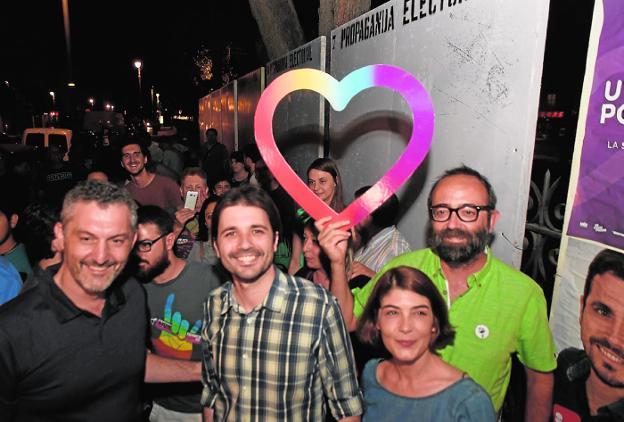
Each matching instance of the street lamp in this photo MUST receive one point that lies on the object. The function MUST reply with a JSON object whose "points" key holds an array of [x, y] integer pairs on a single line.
{"points": [[91, 101], [138, 64], [53, 99]]}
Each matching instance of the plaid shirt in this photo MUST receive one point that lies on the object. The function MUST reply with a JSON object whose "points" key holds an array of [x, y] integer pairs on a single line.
{"points": [[282, 360]]}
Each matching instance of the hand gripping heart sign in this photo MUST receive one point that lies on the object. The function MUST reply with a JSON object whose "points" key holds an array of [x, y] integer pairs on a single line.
{"points": [[339, 93]]}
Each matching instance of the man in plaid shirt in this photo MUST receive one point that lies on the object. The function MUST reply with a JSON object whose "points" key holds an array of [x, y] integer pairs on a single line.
{"points": [[275, 346]]}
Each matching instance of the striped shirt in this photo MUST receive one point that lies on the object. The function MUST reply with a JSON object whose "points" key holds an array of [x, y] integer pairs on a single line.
{"points": [[282, 360], [385, 245]]}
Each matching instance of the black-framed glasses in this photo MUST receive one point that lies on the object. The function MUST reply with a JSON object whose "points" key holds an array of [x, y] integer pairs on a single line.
{"points": [[466, 213], [146, 245]]}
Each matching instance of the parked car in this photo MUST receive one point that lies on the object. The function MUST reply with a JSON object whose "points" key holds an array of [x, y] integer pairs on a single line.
{"points": [[43, 137]]}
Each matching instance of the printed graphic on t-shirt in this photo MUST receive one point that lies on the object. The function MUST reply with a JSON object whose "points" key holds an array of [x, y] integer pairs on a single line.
{"points": [[177, 337]]}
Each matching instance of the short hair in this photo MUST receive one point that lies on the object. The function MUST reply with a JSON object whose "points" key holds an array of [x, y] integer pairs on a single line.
{"points": [[36, 231], [248, 195], [251, 151], [103, 194], [413, 280], [607, 261], [8, 207], [212, 130], [194, 171], [134, 141], [464, 170], [152, 214], [386, 215], [237, 156], [328, 165]]}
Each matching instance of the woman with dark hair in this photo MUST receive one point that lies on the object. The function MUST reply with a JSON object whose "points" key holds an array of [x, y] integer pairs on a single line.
{"points": [[407, 314], [202, 250], [316, 266], [325, 181]]}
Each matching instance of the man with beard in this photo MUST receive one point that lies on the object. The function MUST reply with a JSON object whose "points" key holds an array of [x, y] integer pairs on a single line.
{"points": [[73, 346], [275, 346], [589, 383], [495, 309], [148, 188], [175, 291]]}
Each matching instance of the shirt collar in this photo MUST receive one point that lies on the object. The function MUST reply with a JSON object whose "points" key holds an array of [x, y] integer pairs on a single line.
{"points": [[275, 300], [65, 310], [477, 278], [613, 409]]}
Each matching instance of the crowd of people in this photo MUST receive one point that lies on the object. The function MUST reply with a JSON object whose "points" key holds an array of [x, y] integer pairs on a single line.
{"points": [[209, 294]]}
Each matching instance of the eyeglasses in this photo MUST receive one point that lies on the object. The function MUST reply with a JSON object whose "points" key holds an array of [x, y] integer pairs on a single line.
{"points": [[146, 245], [466, 213]]}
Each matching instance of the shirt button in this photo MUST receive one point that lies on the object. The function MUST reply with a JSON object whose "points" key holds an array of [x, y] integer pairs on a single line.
{"points": [[249, 321], [244, 357]]}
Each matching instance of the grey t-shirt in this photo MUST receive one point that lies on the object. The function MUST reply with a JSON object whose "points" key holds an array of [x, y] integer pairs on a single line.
{"points": [[176, 314]]}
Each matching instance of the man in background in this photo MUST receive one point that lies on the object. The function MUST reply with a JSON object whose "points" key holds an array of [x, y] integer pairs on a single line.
{"points": [[148, 188]]}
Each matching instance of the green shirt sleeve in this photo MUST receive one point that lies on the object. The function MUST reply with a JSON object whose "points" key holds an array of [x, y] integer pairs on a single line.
{"points": [[536, 348]]}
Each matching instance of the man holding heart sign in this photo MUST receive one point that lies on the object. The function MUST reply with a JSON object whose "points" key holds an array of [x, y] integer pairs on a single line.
{"points": [[496, 310]]}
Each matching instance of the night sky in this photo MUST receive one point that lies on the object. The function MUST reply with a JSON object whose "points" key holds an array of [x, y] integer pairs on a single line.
{"points": [[107, 36]]}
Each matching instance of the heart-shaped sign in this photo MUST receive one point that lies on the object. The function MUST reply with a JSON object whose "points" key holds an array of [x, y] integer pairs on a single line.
{"points": [[339, 94]]}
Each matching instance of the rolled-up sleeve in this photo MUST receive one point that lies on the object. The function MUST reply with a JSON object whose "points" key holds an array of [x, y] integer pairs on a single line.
{"points": [[337, 366], [209, 392]]}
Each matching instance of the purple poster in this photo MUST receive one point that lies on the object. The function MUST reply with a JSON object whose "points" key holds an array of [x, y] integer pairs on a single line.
{"points": [[598, 210]]}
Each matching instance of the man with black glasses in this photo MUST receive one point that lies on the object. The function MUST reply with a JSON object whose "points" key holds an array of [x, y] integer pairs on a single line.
{"points": [[496, 310], [175, 291]]}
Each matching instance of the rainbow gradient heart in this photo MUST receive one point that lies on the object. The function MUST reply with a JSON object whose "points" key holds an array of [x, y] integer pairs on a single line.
{"points": [[339, 94]]}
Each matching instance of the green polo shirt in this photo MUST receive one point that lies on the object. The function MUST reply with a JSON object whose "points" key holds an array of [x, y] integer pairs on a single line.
{"points": [[502, 312]]}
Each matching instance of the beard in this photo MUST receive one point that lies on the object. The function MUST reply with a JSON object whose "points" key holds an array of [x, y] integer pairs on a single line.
{"points": [[457, 255], [93, 284], [607, 374], [148, 274]]}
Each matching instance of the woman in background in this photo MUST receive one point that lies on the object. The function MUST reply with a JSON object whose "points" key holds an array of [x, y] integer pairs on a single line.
{"points": [[202, 250], [406, 313], [325, 181]]}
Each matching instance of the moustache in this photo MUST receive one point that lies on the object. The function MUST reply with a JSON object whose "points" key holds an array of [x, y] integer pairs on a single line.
{"points": [[454, 233], [248, 251], [605, 343], [93, 263]]}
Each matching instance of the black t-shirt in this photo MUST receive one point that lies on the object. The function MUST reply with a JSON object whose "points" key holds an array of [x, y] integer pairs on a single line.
{"points": [[56, 182], [570, 397], [58, 362]]}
